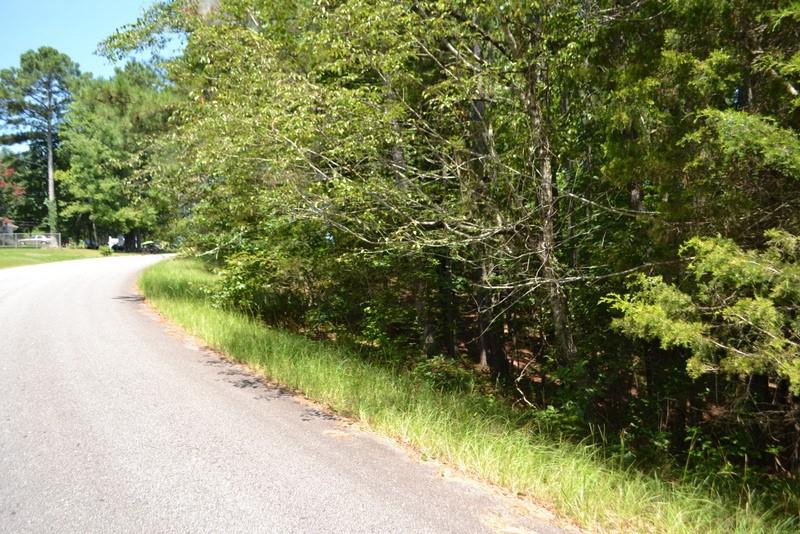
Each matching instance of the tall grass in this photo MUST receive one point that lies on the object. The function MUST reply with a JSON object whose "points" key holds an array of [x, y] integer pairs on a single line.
{"points": [[482, 438]]}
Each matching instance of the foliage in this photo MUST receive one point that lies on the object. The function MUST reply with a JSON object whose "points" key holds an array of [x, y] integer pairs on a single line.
{"points": [[29, 167], [107, 137], [35, 95], [11, 193], [740, 318]]}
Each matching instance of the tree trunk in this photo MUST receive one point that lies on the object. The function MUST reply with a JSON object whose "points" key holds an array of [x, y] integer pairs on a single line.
{"points": [[490, 336], [492, 351], [426, 338], [52, 214], [557, 295], [542, 165], [447, 304]]}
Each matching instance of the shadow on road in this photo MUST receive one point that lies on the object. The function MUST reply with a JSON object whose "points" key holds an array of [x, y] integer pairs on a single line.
{"points": [[243, 379], [129, 298]]}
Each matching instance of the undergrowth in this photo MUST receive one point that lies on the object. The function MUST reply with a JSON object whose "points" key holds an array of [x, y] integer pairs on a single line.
{"points": [[461, 426]]}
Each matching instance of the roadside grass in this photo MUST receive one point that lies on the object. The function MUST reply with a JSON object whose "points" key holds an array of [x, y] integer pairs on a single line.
{"points": [[466, 430], [14, 257]]}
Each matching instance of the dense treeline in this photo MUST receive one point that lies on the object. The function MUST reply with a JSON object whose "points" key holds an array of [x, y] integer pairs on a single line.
{"points": [[593, 202], [85, 172]]}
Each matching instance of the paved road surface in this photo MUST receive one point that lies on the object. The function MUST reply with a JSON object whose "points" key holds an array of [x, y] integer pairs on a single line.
{"points": [[111, 423]]}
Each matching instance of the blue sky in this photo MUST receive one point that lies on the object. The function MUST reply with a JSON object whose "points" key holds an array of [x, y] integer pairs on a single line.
{"points": [[74, 27]]}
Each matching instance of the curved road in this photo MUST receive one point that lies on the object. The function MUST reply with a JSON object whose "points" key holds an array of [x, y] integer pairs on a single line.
{"points": [[110, 422]]}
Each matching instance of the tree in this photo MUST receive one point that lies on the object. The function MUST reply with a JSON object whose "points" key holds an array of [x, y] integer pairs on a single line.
{"points": [[735, 317], [33, 101], [106, 136]]}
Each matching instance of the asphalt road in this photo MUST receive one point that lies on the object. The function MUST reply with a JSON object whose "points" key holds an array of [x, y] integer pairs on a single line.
{"points": [[111, 421]]}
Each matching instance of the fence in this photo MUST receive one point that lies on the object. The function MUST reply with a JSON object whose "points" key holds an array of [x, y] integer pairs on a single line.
{"points": [[40, 240]]}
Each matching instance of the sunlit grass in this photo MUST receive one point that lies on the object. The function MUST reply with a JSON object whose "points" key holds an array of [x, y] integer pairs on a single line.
{"points": [[482, 438], [14, 257]]}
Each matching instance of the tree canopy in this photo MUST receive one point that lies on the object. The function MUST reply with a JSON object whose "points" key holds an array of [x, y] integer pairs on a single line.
{"points": [[106, 136]]}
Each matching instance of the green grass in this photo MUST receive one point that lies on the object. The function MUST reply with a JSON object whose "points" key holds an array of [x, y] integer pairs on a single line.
{"points": [[14, 257], [482, 438]]}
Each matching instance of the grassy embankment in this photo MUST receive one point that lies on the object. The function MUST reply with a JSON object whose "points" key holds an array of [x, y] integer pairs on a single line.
{"points": [[465, 430], [14, 257]]}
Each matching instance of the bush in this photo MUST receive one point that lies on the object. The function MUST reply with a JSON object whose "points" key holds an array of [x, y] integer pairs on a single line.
{"points": [[445, 374]]}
